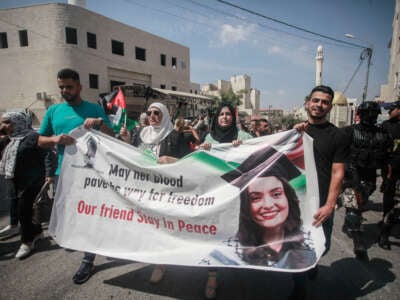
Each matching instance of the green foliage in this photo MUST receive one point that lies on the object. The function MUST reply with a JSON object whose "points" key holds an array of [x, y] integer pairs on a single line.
{"points": [[230, 97], [289, 121]]}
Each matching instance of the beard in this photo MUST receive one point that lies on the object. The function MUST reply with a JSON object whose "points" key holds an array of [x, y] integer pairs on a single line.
{"points": [[69, 98], [314, 117], [321, 117]]}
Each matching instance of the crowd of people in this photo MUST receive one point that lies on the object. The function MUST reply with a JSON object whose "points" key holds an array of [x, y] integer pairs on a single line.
{"points": [[347, 160]]}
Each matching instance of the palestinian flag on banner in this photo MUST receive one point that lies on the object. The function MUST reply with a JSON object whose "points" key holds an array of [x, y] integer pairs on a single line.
{"points": [[120, 117]]}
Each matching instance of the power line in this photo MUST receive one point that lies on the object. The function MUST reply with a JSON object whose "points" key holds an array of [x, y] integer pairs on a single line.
{"points": [[290, 25]]}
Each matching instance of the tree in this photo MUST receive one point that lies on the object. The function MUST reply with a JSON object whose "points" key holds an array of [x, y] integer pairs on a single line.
{"points": [[230, 97], [289, 121]]}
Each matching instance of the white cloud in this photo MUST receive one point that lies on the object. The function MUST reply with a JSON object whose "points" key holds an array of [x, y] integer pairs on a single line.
{"points": [[274, 49], [281, 92], [234, 34]]}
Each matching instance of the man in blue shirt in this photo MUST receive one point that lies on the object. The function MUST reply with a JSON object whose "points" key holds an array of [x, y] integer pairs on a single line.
{"points": [[58, 121]]}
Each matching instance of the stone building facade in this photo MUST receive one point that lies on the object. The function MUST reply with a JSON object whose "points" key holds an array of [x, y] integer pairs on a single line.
{"points": [[37, 41], [391, 91], [239, 84]]}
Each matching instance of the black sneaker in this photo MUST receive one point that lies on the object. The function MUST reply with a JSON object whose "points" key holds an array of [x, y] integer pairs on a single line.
{"points": [[84, 272], [313, 273], [298, 293], [384, 242]]}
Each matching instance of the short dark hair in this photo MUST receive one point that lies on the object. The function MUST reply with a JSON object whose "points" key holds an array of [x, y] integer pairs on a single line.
{"points": [[68, 74], [324, 89]]}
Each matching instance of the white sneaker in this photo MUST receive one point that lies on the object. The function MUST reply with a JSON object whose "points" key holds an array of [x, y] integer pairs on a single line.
{"points": [[24, 251], [9, 231], [158, 274]]}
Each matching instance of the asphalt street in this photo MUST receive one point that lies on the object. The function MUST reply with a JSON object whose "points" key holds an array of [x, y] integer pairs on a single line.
{"points": [[47, 273]]}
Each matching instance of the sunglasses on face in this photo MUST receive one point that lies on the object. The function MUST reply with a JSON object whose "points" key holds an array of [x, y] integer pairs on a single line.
{"points": [[154, 112]]}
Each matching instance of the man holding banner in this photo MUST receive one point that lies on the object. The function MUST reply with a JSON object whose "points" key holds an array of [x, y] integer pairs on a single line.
{"points": [[59, 120], [189, 212], [330, 150]]}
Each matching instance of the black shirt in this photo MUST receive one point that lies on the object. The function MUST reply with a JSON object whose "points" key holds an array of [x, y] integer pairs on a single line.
{"points": [[393, 127], [330, 146]]}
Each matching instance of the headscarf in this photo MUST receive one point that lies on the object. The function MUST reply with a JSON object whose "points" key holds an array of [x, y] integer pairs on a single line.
{"points": [[21, 129], [224, 134], [155, 134]]}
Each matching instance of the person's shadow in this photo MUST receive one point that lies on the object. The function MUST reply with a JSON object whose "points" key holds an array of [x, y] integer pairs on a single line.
{"points": [[348, 278]]}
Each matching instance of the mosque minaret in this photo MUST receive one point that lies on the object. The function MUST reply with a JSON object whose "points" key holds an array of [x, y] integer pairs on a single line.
{"points": [[318, 65]]}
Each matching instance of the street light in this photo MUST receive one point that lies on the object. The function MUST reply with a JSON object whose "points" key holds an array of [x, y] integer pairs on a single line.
{"points": [[366, 53]]}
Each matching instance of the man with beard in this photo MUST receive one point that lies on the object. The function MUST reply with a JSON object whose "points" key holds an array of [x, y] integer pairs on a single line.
{"points": [[330, 152], [262, 127], [59, 120]]}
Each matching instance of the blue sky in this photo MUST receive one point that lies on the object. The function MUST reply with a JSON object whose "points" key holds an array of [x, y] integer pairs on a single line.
{"points": [[225, 41]]}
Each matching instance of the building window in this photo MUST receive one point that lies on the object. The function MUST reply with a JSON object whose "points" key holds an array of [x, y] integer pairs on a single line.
{"points": [[162, 86], [117, 47], [3, 40], [91, 40], [114, 83], [173, 88], [163, 59], [93, 81], [140, 53], [71, 36], [183, 65], [173, 62], [23, 38]]}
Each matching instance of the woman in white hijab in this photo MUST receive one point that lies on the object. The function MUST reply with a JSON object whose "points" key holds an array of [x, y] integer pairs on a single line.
{"points": [[158, 139]]}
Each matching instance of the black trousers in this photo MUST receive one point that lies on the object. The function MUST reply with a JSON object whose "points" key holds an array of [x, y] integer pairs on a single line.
{"points": [[389, 192], [26, 197]]}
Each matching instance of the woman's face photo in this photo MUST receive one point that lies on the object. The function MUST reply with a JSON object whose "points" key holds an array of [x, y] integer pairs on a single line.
{"points": [[269, 206], [225, 117]]}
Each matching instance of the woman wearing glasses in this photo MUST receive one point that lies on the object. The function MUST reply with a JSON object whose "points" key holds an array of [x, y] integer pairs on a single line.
{"points": [[160, 140]]}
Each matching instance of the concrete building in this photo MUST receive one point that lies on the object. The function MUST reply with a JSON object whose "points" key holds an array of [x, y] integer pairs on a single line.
{"points": [[391, 91], [37, 41], [240, 85]]}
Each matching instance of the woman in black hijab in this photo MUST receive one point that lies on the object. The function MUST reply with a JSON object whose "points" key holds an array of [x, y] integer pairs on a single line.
{"points": [[223, 128]]}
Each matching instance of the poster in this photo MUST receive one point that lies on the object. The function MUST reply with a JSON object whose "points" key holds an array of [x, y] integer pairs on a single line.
{"points": [[245, 207]]}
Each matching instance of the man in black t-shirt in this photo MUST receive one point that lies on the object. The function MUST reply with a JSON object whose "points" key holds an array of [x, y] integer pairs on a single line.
{"points": [[330, 151]]}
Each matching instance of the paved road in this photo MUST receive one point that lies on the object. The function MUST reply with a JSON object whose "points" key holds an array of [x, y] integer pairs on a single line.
{"points": [[47, 273]]}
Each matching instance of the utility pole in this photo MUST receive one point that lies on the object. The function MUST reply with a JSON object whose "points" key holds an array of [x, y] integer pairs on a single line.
{"points": [[366, 53]]}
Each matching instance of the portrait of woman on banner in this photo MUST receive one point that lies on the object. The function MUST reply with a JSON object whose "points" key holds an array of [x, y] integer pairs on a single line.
{"points": [[270, 226]]}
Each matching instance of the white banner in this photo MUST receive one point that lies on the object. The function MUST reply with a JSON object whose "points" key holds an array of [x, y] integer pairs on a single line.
{"points": [[249, 206]]}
